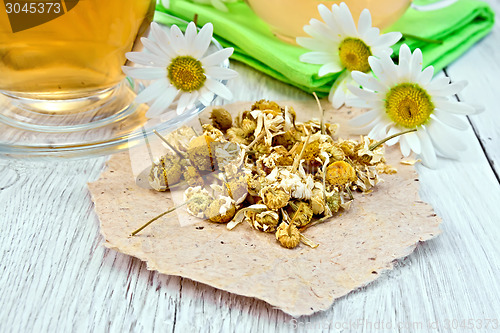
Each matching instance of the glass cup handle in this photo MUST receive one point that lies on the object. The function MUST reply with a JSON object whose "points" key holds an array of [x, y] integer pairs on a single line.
{"points": [[433, 6]]}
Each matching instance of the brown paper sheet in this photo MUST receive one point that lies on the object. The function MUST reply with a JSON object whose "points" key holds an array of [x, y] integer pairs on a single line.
{"points": [[355, 246]]}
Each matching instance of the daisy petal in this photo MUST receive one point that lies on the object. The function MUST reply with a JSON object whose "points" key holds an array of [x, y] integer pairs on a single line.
{"points": [[451, 120], [364, 130], [162, 104], [219, 89], [449, 89], [371, 36], [154, 48], [178, 41], [217, 57], [404, 146], [393, 130], [428, 155], [220, 73], [438, 83], [206, 96], [186, 100], [143, 73], [379, 131], [364, 22], [148, 59], [416, 64], [445, 140], [163, 41], [328, 68], [327, 16], [426, 76], [364, 119], [356, 102], [316, 57], [190, 36], [313, 44], [344, 16], [387, 39], [337, 92], [203, 40], [363, 94], [455, 107], [153, 91], [414, 142], [368, 81]]}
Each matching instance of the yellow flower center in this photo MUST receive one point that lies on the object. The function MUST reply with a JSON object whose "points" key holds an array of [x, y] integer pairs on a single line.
{"points": [[340, 173], [354, 55], [408, 105], [186, 73]]}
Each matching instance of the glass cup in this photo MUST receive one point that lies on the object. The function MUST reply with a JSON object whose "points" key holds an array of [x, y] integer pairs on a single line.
{"points": [[60, 61], [287, 18]]}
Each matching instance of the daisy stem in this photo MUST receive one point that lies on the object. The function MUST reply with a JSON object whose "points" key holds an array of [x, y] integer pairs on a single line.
{"points": [[423, 39], [381, 142], [159, 216], [168, 144]]}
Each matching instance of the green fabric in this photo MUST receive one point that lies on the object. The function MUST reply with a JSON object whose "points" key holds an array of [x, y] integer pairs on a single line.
{"points": [[459, 26]]}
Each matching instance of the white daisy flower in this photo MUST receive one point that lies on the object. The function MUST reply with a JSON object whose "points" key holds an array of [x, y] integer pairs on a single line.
{"points": [[339, 46], [180, 69], [403, 98]]}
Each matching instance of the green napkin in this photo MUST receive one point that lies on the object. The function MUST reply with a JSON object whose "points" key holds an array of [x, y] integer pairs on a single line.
{"points": [[458, 26]]}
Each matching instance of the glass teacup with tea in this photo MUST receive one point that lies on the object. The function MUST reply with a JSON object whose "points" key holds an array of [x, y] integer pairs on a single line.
{"points": [[61, 62]]}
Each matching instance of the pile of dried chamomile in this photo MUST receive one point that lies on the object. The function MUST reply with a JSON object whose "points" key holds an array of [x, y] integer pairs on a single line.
{"points": [[264, 167]]}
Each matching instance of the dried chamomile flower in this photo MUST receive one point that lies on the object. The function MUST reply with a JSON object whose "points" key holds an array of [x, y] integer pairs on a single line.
{"points": [[348, 146], [221, 210], [302, 215], [367, 156], [334, 152], [213, 132], [254, 184], [266, 105], [262, 148], [340, 173], [181, 137], [237, 135], [301, 189], [237, 189], [333, 202], [248, 126], [288, 139], [200, 153], [198, 204], [227, 153], [221, 119], [318, 199], [274, 197], [279, 156], [266, 221], [367, 177], [311, 155], [270, 123], [288, 235], [192, 176], [164, 172]]}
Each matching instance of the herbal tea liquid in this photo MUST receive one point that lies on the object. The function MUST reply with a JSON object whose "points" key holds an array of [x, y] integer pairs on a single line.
{"points": [[79, 52]]}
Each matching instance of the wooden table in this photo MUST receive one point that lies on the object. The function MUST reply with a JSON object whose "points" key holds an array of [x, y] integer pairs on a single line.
{"points": [[56, 275]]}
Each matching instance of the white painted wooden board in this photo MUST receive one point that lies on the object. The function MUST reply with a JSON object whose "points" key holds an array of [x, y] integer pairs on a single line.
{"points": [[56, 276]]}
